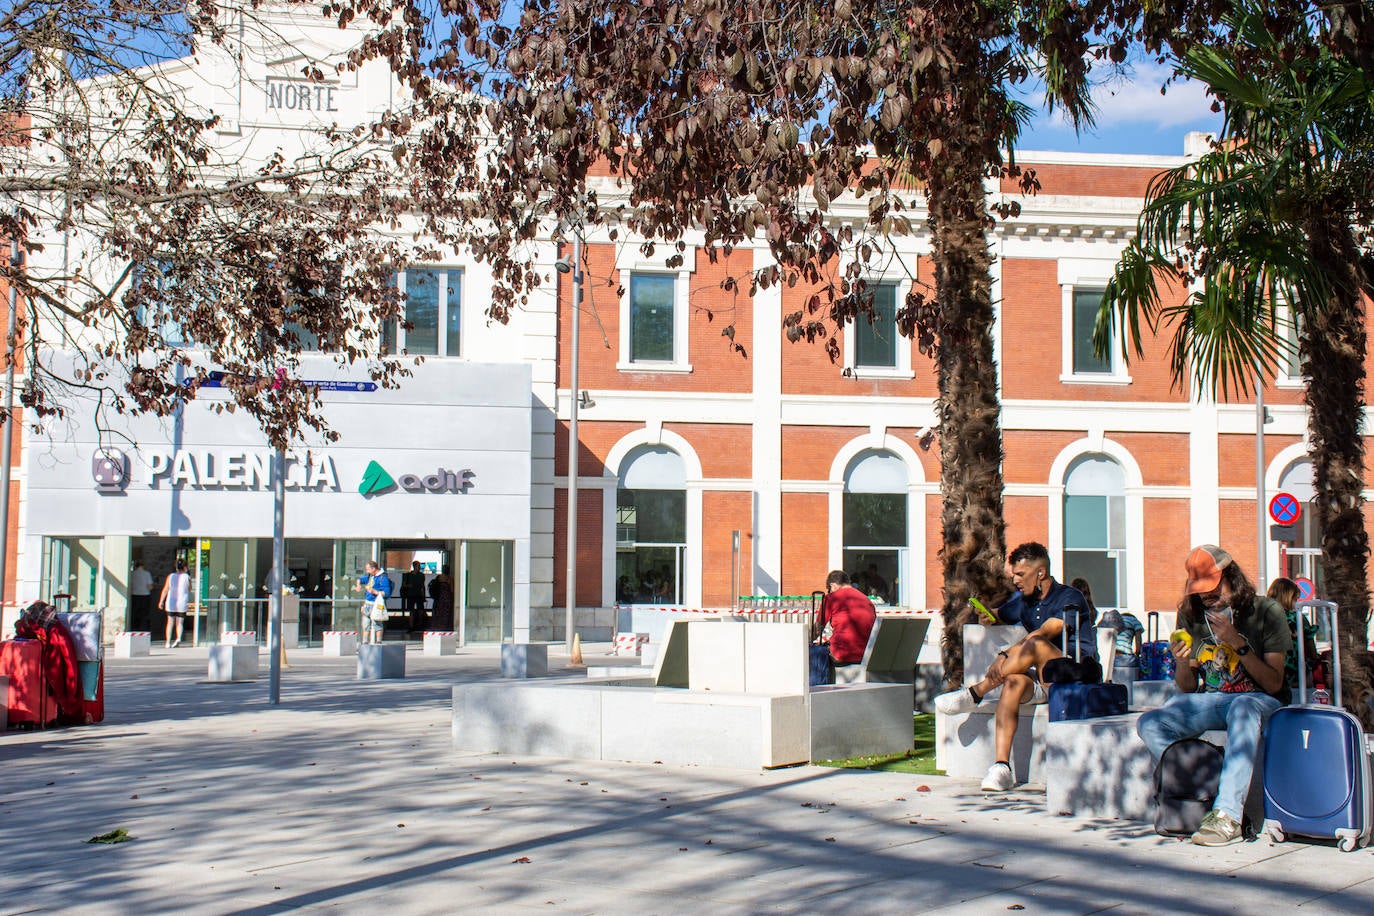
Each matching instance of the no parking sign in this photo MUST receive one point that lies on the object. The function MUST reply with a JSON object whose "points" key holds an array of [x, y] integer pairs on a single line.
{"points": [[1306, 590], [1284, 508]]}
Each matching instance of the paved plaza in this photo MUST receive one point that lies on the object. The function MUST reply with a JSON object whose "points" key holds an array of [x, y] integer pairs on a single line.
{"points": [[348, 797]]}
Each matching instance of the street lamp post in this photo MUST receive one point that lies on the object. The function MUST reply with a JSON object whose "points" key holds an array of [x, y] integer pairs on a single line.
{"points": [[7, 431], [575, 267]]}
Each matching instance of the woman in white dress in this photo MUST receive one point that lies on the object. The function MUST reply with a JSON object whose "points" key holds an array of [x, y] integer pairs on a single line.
{"points": [[176, 597]]}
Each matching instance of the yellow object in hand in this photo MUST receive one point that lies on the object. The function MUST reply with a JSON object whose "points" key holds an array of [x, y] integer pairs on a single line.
{"points": [[1181, 635]]}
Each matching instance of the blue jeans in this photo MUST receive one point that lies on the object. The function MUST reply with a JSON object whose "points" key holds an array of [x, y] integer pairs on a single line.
{"points": [[1188, 715]]}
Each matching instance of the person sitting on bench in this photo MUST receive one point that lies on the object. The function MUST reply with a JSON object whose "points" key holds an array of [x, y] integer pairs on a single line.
{"points": [[1044, 607]]}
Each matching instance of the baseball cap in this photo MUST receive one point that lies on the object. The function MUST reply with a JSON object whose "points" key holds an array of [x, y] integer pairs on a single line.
{"points": [[1204, 566]]}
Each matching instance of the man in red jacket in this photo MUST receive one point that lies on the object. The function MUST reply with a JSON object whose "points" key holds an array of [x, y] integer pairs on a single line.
{"points": [[850, 615]]}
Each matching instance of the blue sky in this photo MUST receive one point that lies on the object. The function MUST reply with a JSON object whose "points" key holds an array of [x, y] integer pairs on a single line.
{"points": [[1132, 117]]}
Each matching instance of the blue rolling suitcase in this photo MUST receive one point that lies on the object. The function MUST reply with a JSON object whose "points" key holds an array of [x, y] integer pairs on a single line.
{"points": [[1316, 764], [1156, 661]]}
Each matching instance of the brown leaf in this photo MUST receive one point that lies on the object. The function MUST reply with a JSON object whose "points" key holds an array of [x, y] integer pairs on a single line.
{"points": [[523, 860]]}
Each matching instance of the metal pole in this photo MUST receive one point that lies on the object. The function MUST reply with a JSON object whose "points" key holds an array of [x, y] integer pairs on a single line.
{"points": [[6, 456], [278, 578], [572, 439], [1262, 569]]}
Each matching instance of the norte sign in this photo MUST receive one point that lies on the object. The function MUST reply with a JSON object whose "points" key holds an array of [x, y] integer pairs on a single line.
{"points": [[376, 479]]}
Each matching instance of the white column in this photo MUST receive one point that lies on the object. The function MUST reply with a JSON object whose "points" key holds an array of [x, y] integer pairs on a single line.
{"points": [[767, 436], [1204, 477]]}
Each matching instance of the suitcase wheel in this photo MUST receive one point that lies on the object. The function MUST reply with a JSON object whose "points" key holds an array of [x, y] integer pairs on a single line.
{"points": [[1349, 843], [1274, 832]]}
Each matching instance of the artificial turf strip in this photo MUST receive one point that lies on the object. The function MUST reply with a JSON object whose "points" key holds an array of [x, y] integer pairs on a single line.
{"points": [[919, 761]]}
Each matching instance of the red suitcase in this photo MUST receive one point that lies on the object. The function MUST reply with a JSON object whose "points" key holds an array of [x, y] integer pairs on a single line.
{"points": [[92, 691], [21, 660]]}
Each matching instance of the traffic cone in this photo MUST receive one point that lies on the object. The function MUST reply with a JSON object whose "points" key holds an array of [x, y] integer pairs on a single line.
{"points": [[282, 652], [576, 660]]}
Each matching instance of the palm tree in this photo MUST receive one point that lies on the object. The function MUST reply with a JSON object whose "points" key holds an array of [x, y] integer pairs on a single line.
{"points": [[1269, 217]]}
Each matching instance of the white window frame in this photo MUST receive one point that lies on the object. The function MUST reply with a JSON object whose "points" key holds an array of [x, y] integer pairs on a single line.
{"points": [[1282, 378], [630, 261], [441, 331], [1082, 274], [903, 368]]}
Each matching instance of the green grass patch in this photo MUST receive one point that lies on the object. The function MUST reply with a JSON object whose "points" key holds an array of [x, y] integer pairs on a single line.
{"points": [[919, 761]]}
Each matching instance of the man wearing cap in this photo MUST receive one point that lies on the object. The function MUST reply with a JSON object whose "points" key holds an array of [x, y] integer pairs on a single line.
{"points": [[1045, 608], [1230, 671]]}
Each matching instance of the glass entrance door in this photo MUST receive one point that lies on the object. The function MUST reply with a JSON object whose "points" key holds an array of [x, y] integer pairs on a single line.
{"points": [[487, 610]]}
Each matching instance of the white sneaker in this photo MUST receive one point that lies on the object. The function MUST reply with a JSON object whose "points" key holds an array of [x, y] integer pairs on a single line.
{"points": [[999, 778], [955, 702]]}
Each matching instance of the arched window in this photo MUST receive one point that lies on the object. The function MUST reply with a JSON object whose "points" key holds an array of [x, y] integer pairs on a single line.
{"points": [[875, 524], [1095, 528], [1303, 558], [651, 527]]}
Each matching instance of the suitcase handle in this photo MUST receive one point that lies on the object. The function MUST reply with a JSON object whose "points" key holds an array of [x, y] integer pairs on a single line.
{"points": [[1152, 626], [1330, 608]]}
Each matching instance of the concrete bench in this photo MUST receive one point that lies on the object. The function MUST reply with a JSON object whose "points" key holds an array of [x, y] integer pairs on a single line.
{"points": [[1101, 768]]}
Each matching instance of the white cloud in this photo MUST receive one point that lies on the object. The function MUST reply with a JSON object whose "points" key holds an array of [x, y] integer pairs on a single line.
{"points": [[1133, 99]]}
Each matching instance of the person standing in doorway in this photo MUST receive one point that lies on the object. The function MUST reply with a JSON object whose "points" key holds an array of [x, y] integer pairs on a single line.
{"points": [[375, 585], [141, 599], [175, 599], [413, 595], [441, 599]]}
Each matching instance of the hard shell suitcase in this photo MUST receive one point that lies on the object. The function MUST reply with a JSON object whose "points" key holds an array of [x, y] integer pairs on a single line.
{"points": [[822, 667], [1156, 661], [1316, 763], [21, 660], [1087, 701]]}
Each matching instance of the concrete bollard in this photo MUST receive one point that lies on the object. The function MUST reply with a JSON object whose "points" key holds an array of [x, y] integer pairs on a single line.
{"points": [[233, 663], [133, 645], [238, 638], [340, 643], [440, 642], [524, 660], [381, 662]]}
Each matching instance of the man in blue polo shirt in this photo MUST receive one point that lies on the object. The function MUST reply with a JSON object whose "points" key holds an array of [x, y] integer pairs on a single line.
{"points": [[1045, 608]]}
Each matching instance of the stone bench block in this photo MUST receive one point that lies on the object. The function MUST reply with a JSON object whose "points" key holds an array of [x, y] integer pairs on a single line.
{"points": [[238, 638], [438, 643], [1149, 694], [233, 663], [340, 643], [133, 645], [1101, 768], [381, 662], [965, 744], [860, 720]]}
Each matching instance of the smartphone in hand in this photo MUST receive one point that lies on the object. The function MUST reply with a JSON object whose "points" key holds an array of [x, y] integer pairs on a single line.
{"points": [[982, 608]]}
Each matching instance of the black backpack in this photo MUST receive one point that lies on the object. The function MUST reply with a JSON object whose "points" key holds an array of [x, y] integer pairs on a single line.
{"points": [[1186, 782]]}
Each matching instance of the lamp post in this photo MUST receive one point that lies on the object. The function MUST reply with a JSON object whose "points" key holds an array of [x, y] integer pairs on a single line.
{"points": [[1262, 540], [6, 456], [575, 268]]}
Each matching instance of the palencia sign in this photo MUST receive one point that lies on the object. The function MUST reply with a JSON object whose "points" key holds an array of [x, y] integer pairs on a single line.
{"points": [[247, 469]]}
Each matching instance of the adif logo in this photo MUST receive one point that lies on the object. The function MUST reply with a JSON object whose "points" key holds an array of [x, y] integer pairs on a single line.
{"points": [[376, 479], [1305, 735]]}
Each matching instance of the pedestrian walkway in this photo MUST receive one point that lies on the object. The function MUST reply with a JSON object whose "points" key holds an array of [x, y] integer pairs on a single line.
{"points": [[348, 796]]}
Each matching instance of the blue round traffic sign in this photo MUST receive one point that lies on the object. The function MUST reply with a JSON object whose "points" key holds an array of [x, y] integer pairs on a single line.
{"points": [[1284, 508], [1305, 588]]}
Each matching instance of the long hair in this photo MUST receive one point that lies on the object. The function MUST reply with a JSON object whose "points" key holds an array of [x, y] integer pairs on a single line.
{"points": [[1082, 585], [1285, 592], [1242, 594]]}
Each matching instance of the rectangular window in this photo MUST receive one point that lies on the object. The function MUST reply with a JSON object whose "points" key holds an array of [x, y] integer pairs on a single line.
{"points": [[651, 318], [433, 314], [1085, 361], [1290, 357], [875, 342]]}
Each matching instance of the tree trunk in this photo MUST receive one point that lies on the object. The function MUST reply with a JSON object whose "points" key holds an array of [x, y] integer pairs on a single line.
{"points": [[973, 555], [1334, 345]]}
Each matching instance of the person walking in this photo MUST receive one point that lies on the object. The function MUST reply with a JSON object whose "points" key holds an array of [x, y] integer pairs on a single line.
{"points": [[174, 600], [413, 595], [375, 585]]}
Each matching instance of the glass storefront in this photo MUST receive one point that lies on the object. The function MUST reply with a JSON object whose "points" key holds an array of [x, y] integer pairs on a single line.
{"points": [[466, 586]]}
